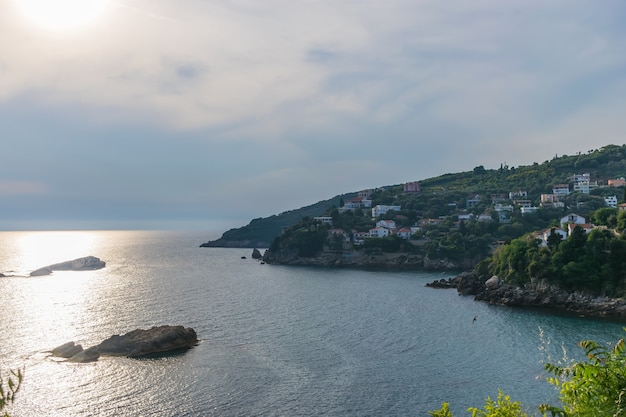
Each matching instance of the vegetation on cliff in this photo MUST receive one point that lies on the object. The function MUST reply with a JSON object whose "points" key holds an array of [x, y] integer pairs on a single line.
{"points": [[593, 262]]}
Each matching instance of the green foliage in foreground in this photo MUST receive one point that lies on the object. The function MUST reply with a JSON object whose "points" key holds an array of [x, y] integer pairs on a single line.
{"points": [[593, 387], [8, 392]]}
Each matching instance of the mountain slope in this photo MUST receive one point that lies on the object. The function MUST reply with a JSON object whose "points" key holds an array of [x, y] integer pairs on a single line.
{"points": [[602, 164]]}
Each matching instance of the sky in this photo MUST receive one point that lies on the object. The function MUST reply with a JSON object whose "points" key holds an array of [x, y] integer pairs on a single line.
{"points": [[197, 114]]}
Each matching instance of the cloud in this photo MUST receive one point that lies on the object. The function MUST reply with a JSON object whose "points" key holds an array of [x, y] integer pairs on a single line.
{"points": [[260, 107]]}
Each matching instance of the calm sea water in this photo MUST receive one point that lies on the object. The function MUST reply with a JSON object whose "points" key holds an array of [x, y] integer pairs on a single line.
{"points": [[275, 340]]}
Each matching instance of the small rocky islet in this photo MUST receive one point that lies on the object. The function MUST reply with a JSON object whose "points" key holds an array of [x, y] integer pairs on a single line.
{"points": [[135, 344]]}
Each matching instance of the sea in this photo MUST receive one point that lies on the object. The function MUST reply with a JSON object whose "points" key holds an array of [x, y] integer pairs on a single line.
{"points": [[274, 340]]}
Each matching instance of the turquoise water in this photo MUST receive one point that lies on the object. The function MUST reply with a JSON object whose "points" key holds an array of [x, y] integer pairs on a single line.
{"points": [[275, 340]]}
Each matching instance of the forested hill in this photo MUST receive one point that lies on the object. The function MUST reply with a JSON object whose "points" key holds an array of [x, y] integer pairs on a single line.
{"points": [[437, 193], [260, 232]]}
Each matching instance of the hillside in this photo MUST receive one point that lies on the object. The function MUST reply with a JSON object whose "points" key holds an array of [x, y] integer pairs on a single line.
{"points": [[260, 232], [448, 194]]}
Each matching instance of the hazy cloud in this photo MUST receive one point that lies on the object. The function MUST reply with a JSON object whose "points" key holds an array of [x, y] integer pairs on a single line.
{"points": [[261, 106]]}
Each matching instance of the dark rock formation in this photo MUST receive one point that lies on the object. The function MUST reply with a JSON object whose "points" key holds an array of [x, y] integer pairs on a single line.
{"points": [[256, 254], [80, 264], [67, 350], [133, 344], [443, 283], [223, 243], [537, 294], [144, 342], [353, 259]]}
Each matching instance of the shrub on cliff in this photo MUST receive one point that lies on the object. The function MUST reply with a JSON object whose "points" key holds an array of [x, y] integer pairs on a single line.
{"points": [[594, 262]]}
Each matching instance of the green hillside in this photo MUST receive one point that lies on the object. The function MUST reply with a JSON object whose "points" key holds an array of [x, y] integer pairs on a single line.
{"points": [[447, 195], [260, 232]]}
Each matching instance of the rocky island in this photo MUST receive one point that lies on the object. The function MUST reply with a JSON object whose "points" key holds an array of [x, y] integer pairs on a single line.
{"points": [[134, 344], [81, 264]]}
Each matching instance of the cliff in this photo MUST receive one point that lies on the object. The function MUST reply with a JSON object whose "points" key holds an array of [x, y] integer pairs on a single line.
{"points": [[537, 294], [361, 260]]}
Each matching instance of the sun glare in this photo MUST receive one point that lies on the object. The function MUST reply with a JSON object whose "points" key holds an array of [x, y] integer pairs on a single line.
{"points": [[61, 15]]}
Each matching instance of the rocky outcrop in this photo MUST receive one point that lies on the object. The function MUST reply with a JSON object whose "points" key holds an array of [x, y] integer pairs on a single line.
{"points": [[256, 254], [80, 264], [355, 259], [134, 344], [537, 294], [223, 243]]}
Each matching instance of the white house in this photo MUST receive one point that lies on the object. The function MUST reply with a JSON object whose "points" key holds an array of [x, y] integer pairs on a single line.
{"points": [[611, 201], [572, 219], [380, 232], [560, 189], [405, 233], [545, 234], [527, 210], [389, 224], [380, 210]]}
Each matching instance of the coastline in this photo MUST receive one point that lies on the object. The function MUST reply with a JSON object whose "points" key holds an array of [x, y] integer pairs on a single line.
{"points": [[536, 295]]}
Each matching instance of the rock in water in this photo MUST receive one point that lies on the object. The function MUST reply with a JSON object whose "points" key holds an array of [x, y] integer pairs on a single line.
{"points": [[67, 350], [256, 254], [81, 264], [144, 342]]}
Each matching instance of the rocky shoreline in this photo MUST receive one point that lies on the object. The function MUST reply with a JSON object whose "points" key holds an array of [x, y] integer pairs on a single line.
{"points": [[223, 243], [538, 294], [398, 261]]}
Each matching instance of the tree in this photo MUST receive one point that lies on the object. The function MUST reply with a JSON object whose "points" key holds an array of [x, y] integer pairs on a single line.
{"points": [[8, 392]]}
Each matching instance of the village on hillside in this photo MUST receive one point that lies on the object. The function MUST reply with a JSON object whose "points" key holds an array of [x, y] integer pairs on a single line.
{"points": [[501, 209]]}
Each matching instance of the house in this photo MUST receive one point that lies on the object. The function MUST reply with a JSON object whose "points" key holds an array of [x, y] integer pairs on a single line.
{"points": [[355, 203], [504, 212], [472, 201], [388, 224], [621, 207], [513, 195], [498, 198], [339, 232], [412, 187], [380, 210], [572, 218], [430, 222], [324, 220], [611, 201], [405, 233], [380, 232], [620, 182], [545, 234], [485, 217], [551, 200], [365, 194], [585, 226], [585, 186], [560, 189], [523, 203], [466, 217], [528, 210]]}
